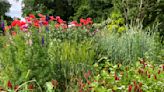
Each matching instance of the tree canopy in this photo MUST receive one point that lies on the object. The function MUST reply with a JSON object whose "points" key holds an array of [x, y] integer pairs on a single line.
{"points": [[70, 9], [5, 6]]}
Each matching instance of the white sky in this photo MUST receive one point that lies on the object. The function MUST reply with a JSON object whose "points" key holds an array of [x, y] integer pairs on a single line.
{"points": [[15, 10]]}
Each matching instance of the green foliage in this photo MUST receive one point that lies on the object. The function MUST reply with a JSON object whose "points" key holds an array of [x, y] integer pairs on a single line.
{"points": [[143, 76], [70, 9], [4, 7], [147, 12], [97, 9], [117, 22], [52, 7]]}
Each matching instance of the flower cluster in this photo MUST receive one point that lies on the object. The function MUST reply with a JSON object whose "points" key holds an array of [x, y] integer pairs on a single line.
{"points": [[44, 20]]}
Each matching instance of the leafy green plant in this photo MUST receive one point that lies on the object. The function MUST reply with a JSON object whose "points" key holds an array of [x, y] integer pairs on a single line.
{"points": [[117, 24], [142, 76]]}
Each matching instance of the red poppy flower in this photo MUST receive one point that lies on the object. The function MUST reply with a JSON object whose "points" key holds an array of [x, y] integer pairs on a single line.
{"points": [[89, 20], [79, 25], [82, 20], [75, 23], [36, 23], [43, 19], [57, 17], [60, 21], [15, 22], [41, 15], [52, 18], [32, 16], [9, 84], [45, 23], [21, 23], [27, 19]]}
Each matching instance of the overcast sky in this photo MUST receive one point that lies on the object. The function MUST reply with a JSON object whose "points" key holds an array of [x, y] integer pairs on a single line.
{"points": [[15, 10]]}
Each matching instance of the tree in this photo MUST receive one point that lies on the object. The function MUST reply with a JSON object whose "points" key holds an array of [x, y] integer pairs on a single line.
{"points": [[53, 7], [4, 8], [70, 9], [145, 12], [97, 9], [5, 5]]}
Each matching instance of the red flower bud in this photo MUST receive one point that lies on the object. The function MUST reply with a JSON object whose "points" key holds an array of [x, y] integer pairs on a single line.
{"points": [[130, 88], [117, 78], [134, 82], [16, 88], [140, 84], [136, 88], [140, 71], [152, 67], [9, 85], [89, 82], [144, 65], [159, 71], [54, 83], [140, 90], [126, 69], [148, 75], [155, 77], [30, 87], [147, 72], [142, 61]]}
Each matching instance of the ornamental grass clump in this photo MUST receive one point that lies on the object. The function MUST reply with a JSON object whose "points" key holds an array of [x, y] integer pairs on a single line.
{"points": [[127, 47]]}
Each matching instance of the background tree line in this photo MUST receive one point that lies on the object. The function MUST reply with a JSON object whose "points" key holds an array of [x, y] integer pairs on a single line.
{"points": [[147, 12]]}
